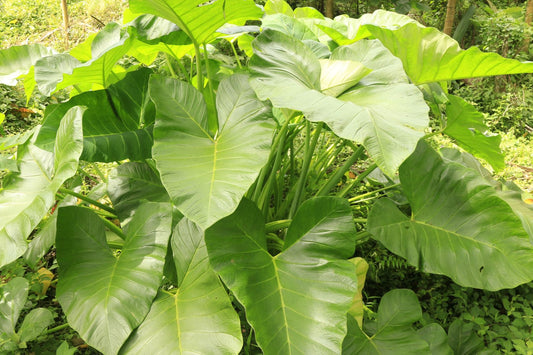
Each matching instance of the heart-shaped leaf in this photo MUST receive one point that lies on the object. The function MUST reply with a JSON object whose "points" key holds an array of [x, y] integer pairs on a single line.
{"points": [[106, 296], [394, 333], [459, 225], [197, 317], [207, 176], [297, 300], [429, 55]]}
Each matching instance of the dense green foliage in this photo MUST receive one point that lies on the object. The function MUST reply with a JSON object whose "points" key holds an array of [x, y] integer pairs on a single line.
{"points": [[232, 205]]}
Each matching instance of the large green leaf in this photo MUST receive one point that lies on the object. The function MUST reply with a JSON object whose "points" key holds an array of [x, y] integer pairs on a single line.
{"points": [[394, 333], [198, 317], [198, 18], [506, 190], [387, 117], [12, 299], [278, 7], [56, 72], [459, 225], [386, 69], [465, 125], [16, 61], [106, 296], [152, 34], [29, 195], [289, 26], [429, 55], [207, 176], [117, 124], [131, 183], [297, 300]]}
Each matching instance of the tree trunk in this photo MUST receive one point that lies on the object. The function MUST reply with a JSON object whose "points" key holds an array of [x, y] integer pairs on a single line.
{"points": [[529, 12], [65, 19], [450, 17], [329, 8], [529, 21]]}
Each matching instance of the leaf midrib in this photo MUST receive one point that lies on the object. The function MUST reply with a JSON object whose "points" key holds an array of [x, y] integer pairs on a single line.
{"points": [[280, 288]]}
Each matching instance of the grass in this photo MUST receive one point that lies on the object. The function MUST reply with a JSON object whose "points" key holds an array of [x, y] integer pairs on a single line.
{"points": [[519, 160], [41, 21]]}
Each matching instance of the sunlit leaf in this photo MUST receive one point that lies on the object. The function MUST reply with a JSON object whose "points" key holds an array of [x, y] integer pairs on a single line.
{"points": [[387, 119], [16, 61], [63, 70], [429, 55], [278, 7], [30, 194], [207, 176], [199, 18]]}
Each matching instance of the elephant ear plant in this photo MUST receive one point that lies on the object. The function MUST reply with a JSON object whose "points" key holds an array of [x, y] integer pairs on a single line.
{"points": [[225, 206]]}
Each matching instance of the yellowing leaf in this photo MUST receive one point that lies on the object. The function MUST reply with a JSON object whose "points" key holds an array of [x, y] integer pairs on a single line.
{"points": [[45, 279], [356, 310]]}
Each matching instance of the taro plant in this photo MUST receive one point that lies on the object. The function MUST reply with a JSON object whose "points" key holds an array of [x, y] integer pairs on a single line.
{"points": [[230, 198]]}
